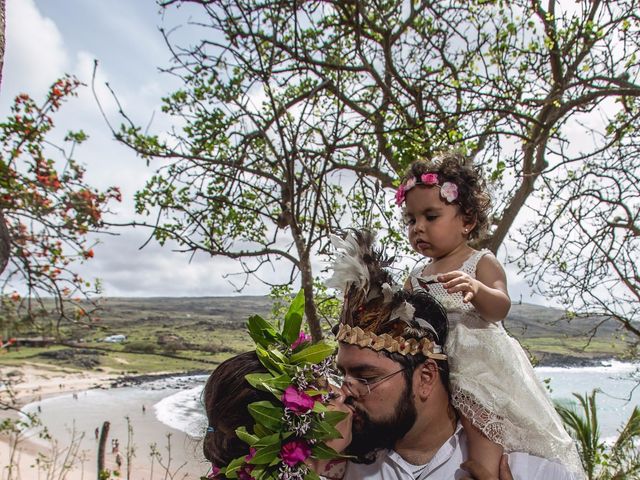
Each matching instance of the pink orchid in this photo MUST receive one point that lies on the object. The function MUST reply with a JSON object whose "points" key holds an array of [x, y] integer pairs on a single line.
{"points": [[251, 454], [400, 194], [215, 471], [245, 473], [297, 401], [449, 191], [410, 184], [302, 338], [429, 178], [295, 452]]}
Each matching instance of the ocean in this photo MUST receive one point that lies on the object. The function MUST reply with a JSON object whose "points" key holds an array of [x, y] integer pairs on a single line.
{"points": [[173, 407]]}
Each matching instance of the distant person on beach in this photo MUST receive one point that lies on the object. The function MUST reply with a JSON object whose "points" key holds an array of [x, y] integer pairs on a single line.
{"points": [[97, 433], [144, 409], [502, 404]]}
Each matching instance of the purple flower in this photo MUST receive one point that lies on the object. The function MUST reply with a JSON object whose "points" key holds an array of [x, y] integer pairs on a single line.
{"points": [[297, 401], [400, 193], [215, 471], [245, 473], [251, 454], [449, 191], [302, 338], [295, 452], [429, 178]]}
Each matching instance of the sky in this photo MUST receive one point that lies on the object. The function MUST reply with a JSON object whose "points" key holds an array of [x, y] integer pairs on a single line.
{"points": [[48, 38]]}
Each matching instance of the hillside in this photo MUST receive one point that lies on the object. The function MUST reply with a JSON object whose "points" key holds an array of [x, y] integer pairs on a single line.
{"points": [[546, 332], [172, 334]]}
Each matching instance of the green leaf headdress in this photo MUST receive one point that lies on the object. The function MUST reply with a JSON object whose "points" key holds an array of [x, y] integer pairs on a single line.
{"points": [[296, 424]]}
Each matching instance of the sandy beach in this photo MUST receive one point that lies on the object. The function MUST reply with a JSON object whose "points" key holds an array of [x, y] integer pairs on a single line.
{"points": [[85, 396]]}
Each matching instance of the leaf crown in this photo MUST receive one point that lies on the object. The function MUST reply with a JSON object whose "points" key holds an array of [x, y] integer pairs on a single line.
{"points": [[296, 425]]}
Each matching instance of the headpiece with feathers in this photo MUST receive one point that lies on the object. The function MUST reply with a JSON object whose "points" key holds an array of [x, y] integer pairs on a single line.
{"points": [[375, 312]]}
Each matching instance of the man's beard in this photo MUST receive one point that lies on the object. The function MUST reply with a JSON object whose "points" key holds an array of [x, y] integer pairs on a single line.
{"points": [[369, 435]]}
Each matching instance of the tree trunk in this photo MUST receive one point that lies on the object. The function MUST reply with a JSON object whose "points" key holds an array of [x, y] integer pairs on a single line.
{"points": [[2, 28], [310, 310], [104, 433], [5, 242]]}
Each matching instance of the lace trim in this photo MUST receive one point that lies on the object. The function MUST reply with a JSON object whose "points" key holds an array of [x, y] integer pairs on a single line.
{"points": [[489, 423]]}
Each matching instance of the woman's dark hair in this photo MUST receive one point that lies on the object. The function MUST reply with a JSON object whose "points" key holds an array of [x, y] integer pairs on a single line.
{"points": [[473, 199], [227, 395]]}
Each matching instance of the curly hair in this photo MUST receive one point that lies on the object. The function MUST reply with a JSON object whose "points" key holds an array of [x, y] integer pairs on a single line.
{"points": [[473, 199]]}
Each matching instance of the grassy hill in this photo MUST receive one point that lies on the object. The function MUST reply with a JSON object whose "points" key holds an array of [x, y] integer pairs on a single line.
{"points": [[179, 334]]}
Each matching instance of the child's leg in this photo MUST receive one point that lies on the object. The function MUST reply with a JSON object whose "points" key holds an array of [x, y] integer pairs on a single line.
{"points": [[481, 449]]}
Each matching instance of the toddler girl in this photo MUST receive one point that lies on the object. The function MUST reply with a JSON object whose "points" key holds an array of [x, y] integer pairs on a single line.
{"points": [[502, 404]]}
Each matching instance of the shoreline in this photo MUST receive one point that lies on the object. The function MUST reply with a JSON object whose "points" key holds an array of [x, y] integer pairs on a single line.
{"points": [[39, 384]]}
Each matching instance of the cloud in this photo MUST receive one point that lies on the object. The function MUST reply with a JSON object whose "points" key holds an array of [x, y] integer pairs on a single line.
{"points": [[126, 270], [35, 54]]}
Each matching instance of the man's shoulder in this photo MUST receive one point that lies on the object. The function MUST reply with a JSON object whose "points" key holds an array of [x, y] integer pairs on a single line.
{"points": [[528, 467]]}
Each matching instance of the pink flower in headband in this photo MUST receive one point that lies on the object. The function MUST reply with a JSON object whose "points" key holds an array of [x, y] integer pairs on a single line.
{"points": [[296, 400], [449, 191], [302, 338], [429, 178], [400, 194], [295, 452], [215, 471]]}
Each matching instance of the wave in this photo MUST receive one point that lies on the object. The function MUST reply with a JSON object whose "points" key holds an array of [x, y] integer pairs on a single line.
{"points": [[607, 366], [183, 411]]}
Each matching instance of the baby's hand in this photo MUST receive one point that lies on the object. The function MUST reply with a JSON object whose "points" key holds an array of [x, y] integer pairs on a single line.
{"points": [[457, 281]]}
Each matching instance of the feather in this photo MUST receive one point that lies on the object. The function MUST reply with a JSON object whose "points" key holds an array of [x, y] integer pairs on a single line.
{"points": [[403, 312], [349, 269]]}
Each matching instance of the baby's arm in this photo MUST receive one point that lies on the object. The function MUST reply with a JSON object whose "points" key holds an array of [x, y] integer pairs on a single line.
{"points": [[487, 292]]}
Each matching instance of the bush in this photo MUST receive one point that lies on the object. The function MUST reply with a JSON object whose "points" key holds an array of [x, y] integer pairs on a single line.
{"points": [[140, 347]]}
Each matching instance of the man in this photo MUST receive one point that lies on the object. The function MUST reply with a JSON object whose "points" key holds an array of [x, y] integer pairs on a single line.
{"points": [[396, 380]]}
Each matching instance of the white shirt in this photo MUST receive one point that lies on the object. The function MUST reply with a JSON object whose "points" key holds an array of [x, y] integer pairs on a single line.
{"points": [[445, 465]]}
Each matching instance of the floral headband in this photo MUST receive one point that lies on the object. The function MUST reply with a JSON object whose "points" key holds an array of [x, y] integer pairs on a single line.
{"points": [[296, 424], [448, 190]]}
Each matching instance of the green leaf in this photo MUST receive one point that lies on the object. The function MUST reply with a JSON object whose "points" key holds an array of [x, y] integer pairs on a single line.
{"points": [[245, 436], [261, 331], [333, 417], [323, 431], [313, 353], [232, 469], [269, 439], [293, 319], [270, 363], [320, 451], [267, 414], [268, 383], [265, 455], [311, 475]]}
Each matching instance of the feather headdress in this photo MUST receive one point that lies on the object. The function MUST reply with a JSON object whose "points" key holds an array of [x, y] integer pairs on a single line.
{"points": [[376, 312]]}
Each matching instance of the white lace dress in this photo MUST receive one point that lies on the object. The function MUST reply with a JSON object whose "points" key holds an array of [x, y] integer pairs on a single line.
{"points": [[493, 383]]}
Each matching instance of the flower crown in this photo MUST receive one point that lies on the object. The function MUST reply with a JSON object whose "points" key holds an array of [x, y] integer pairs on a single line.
{"points": [[375, 313], [296, 425], [448, 190]]}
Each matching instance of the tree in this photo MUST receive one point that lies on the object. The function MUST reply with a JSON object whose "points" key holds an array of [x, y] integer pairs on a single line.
{"points": [[256, 172], [49, 211], [620, 460], [542, 96]]}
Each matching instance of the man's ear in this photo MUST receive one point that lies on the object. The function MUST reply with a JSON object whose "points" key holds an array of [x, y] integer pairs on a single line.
{"points": [[428, 377]]}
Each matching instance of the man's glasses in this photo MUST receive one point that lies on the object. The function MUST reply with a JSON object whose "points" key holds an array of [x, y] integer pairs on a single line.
{"points": [[361, 387]]}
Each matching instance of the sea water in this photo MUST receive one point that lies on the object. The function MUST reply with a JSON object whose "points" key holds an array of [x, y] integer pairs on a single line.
{"points": [[614, 380], [174, 406]]}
